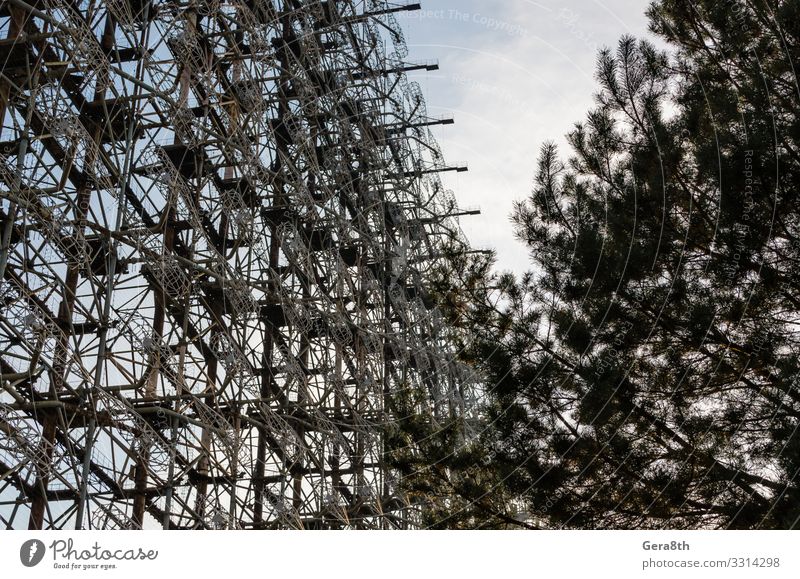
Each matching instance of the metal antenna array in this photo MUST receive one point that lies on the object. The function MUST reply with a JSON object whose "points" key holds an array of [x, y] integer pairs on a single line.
{"points": [[217, 221]]}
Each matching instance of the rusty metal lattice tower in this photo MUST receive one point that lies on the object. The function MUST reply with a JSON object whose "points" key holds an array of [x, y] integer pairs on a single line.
{"points": [[217, 219]]}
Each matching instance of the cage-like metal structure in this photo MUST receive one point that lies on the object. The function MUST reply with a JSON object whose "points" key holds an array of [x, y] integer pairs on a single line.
{"points": [[217, 221]]}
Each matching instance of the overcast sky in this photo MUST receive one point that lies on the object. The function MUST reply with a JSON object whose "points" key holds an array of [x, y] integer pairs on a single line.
{"points": [[513, 74]]}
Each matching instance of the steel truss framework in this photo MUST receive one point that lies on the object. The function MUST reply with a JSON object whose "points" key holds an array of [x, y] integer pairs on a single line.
{"points": [[217, 220]]}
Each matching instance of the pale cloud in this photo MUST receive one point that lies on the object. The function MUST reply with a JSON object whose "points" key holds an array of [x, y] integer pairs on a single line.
{"points": [[514, 74]]}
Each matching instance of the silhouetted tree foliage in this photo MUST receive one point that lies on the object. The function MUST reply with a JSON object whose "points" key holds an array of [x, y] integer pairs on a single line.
{"points": [[442, 456], [644, 374]]}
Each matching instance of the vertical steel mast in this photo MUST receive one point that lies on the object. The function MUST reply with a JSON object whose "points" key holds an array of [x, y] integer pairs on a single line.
{"points": [[217, 219]]}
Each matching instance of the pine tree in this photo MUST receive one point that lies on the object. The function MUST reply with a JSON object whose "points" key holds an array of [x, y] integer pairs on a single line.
{"points": [[644, 374]]}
